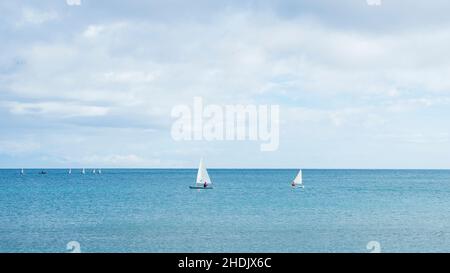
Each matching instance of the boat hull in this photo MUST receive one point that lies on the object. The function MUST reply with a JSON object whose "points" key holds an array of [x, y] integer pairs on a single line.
{"points": [[200, 188]]}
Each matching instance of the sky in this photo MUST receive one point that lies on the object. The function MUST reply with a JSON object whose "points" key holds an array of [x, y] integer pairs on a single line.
{"points": [[91, 83]]}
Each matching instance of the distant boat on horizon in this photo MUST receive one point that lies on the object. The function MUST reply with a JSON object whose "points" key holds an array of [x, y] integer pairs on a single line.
{"points": [[70, 171], [203, 181], [99, 171], [298, 180], [93, 171], [83, 171], [22, 172]]}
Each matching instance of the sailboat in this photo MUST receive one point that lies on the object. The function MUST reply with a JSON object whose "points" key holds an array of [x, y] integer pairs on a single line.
{"points": [[203, 181], [298, 181], [83, 171], [22, 172], [93, 171], [70, 171], [99, 171]]}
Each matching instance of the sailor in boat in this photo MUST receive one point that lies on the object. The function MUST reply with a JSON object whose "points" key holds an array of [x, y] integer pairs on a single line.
{"points": [[202, 181], [298, 180]]}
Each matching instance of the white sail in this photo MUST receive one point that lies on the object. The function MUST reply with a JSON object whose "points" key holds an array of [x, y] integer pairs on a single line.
{"points": [[298, 181], [83, 171], [99, 171], [93, 171], [70, 171], [202, 175], [22, 171]]}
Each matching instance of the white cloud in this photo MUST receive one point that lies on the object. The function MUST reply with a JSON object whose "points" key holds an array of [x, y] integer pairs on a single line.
{"points": [[73, 2], [152, 62], [329, 79], [404, 105], [119, 160], [374, 2], [36, 17], [55, 109], [93, 31], [417, 137], [18, 147], [351, 117], [129, 77]]}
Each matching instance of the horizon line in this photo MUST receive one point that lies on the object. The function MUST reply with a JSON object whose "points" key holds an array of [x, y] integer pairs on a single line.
{"points": [[217, 168]]}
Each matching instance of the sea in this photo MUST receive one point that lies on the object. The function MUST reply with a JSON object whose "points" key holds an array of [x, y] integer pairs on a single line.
{"points": [[249, 210]]}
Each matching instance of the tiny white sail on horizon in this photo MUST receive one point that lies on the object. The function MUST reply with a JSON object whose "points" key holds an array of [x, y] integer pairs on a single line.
{"points": [[93, 171], [298, 181], [83, 171], [202, 175], [22, 171], [70, 171], [99, 171]]}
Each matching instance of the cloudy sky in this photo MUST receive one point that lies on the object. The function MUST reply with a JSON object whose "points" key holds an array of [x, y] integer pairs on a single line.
{"points": [[91, 83]]}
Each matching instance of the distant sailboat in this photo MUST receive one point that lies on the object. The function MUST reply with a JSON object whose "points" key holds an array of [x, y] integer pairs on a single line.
{"points": [[298, 181], [83, 171], [22, 172], [70, 171], [203, 181], [93, 171], [99, 171]]}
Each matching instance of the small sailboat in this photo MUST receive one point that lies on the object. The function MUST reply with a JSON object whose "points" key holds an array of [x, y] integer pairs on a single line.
{"points": [[203, 181], [83, 171], [70, 171], [22, 172], [298, 181], [93, 171], [99, 171]]}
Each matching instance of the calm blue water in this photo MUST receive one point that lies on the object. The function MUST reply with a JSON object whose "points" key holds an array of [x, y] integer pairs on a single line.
{"points": [[248, 211]]}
